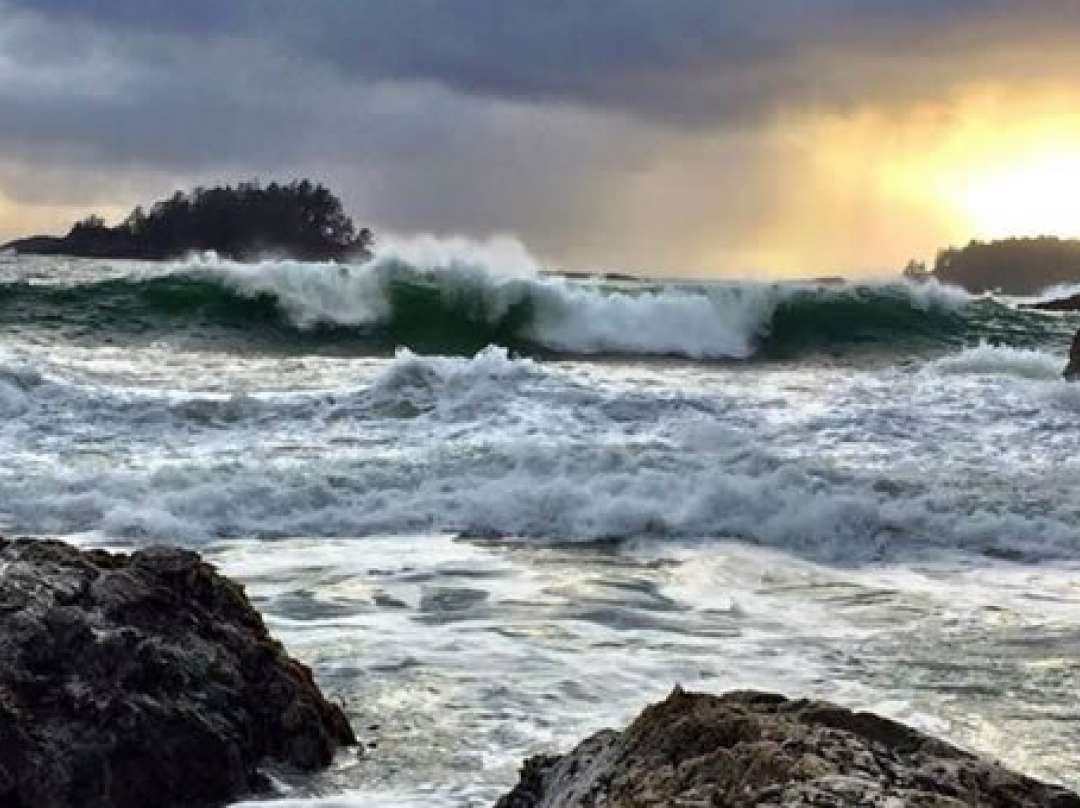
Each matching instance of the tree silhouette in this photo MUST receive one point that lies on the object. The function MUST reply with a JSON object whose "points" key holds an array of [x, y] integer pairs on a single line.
{"points": [[300, 219], [1016, 266]]}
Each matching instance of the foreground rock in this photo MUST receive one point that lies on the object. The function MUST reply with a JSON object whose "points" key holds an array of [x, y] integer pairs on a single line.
{"points": [[1072, 370], [759, 749], [143, 680]]}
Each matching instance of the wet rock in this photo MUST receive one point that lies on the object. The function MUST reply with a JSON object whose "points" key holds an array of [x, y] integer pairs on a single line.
{"points": [[143, 679], [758, 749], [1072, 370], [1071, 303]]}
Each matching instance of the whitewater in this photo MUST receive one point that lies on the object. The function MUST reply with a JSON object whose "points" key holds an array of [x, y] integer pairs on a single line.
{"points": [[497, 508]]}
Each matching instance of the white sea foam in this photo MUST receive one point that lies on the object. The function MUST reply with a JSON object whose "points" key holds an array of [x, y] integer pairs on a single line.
{"points": [[504, 255], [312, 294], [1065, 395], [16, 380], [12, 399], [557, 493], [791, 526], [1057, 292], [497, 445], [566, 316], [485, 280], [693, 323], [447, 383], [1002, 360]]}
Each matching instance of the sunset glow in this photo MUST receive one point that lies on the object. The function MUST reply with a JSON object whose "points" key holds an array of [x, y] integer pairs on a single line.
{"points": [[998, 165], [1034, 196], [524, 362], [806, 140], [873, 187]]}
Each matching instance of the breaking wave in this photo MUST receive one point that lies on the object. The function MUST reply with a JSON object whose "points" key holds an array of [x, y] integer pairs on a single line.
{"points": [[550, 492], [555, 460], [1000, 360], [457, 301]]}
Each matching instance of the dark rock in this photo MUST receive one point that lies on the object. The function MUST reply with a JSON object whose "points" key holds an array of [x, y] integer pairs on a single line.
{"points": [[1060, 304], [143, 679], [1072, 370], [35, 245], [758, 749]]}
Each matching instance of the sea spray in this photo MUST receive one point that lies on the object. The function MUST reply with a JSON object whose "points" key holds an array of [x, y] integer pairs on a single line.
{"points": [[490, 555], [990, 359], [494, 445], [461, 298]]}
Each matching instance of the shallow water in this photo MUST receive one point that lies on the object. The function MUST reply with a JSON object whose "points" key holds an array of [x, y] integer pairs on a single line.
{"points": [[466, 657], [889, 521]]}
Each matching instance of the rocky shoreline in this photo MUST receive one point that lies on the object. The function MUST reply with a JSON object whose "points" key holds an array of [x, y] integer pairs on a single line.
{"points": [[1070, 304], [149, 680], [144, 680], [747, 749]]}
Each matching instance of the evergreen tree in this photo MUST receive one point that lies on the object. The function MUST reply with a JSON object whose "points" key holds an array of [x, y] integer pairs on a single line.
{"points": [[300, 219]]}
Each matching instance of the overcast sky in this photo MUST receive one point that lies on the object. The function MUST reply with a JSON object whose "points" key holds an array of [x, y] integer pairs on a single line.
{"points": [[659, 135]]}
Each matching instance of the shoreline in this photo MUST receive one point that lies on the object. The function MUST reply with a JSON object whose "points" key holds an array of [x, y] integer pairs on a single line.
{"points": [[744, 748], [798, 749]]}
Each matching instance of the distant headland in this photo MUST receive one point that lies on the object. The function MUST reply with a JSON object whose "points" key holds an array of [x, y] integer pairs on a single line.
{"points": [[299, 219], [1014, 266]]}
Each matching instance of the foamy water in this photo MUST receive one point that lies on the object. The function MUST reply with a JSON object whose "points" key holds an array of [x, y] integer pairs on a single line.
{"points": [[488, 554]]}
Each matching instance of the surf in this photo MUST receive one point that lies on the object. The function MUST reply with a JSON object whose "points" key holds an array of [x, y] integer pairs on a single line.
{"points": [[436, 300]]}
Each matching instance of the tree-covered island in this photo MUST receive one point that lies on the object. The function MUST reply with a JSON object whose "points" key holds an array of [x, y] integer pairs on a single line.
{"points": [[1014, 266], [246, 222]]}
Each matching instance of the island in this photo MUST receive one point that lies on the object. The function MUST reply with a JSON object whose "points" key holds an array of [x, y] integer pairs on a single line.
{"points": [[247, 222], [1013, 266]]}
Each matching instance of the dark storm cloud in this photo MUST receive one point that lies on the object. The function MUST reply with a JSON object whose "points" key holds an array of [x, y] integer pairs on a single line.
{"points": [[537, 116], [694, 60]]}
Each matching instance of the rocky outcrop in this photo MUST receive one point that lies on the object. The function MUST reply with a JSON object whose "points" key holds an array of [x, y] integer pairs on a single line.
{"points": [[1060, 304], [1072, 370], [143, 679], [759, 749]]}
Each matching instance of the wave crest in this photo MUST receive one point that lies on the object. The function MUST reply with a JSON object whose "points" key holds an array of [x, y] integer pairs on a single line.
{"points": [[458, 297], [1000, 360]]}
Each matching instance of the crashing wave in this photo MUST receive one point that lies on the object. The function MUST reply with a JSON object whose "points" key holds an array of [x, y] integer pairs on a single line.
{"points": [[457, 297], [550, 492], [494, 444], [988, 359]]}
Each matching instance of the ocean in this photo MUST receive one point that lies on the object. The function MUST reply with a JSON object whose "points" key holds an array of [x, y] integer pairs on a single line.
{"points": [[497, 509]]}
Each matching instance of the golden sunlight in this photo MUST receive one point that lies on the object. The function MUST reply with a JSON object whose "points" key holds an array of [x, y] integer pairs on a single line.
{"points": [[1005, 164], [1037, 195], [872, 188]]}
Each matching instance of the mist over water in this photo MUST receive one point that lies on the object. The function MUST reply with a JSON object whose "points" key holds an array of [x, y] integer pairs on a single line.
{"points": [[498, 509]]}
